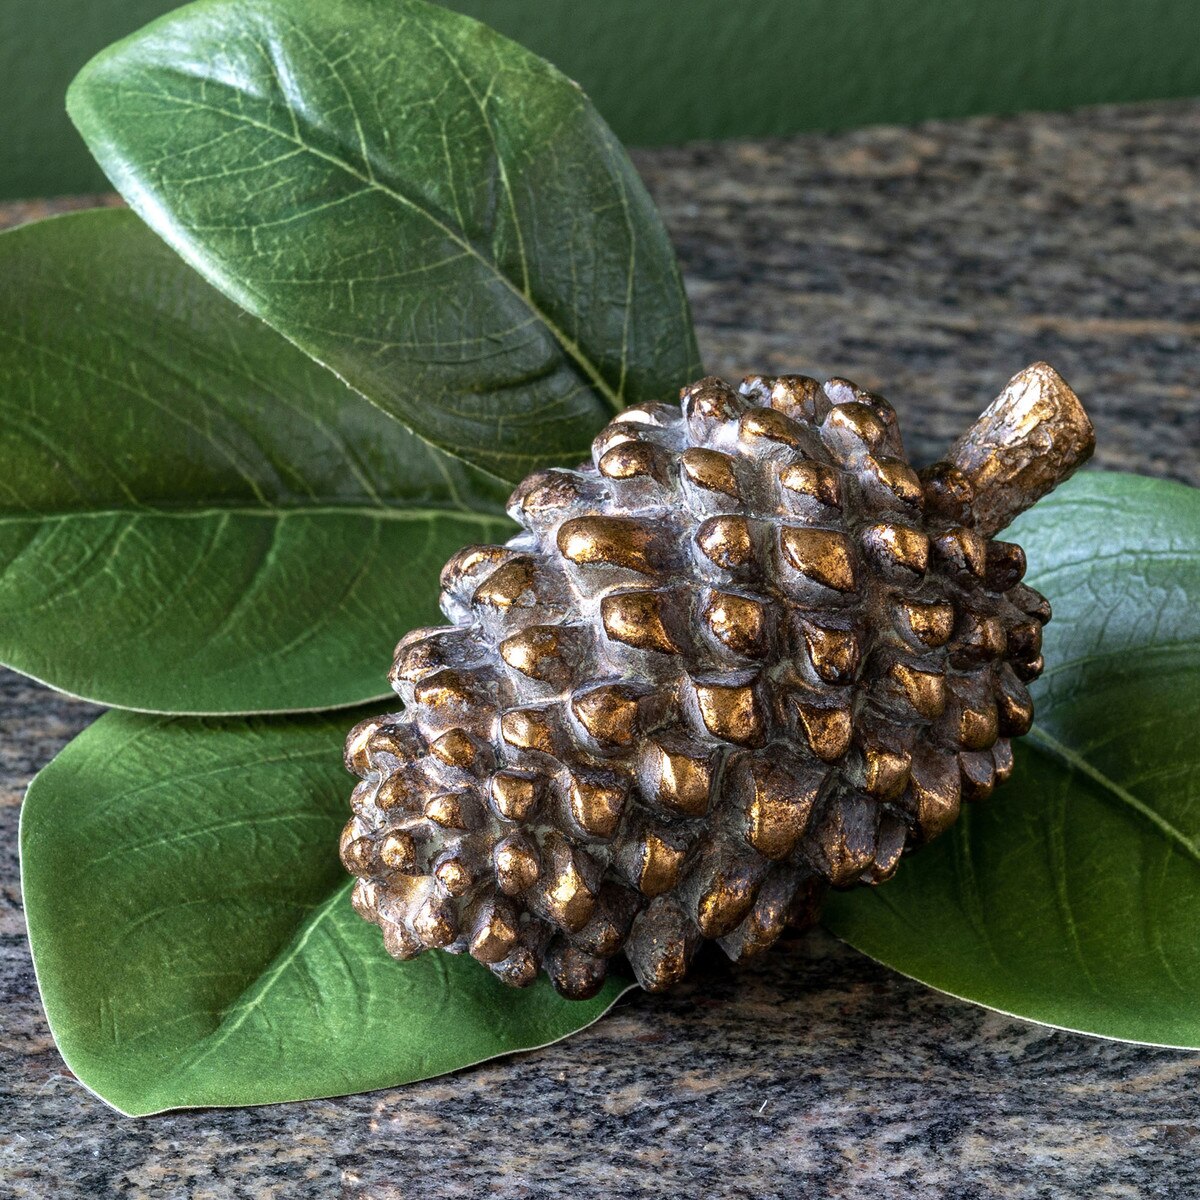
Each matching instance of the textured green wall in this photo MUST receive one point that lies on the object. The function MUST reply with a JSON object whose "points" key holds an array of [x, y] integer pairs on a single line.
{"points": [[670, 70]]}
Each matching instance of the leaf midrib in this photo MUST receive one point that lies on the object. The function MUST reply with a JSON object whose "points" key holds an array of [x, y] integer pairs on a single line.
{"points": [[208, 509], [1054, 749], [568, 344], [250, 998]]}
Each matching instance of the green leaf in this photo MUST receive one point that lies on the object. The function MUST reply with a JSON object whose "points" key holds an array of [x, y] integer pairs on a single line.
{"points": [[429, 209], [195, 517], [1073, 896], [193, 936]]}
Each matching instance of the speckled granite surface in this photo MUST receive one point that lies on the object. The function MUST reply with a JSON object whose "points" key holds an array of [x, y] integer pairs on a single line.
{"points": [[930, 264]]}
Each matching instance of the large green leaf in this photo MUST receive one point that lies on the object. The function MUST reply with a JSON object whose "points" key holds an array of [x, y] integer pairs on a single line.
{"points": [[194, 516], [1073, 896], [426, 207], [193, 936]]}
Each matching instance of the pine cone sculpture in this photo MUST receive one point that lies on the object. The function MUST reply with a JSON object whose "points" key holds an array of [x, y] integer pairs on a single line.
{"points": [[745, 654]]}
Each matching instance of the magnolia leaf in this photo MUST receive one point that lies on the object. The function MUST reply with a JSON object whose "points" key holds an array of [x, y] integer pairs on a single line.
{"points": [[1072, 897], [429, 209], [194, 516], [193, 936]]}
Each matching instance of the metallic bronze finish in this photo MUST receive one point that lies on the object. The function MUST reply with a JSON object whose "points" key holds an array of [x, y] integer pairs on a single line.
{"points": [[517, 864], [355, 754], [1014, 708], [843, 839], [422, 652], [606, 542], [1002, 761], [596, 806], [1005, 566], [447, 810], [435, 922], [777, 807], [398, 940], [710, 470], [527, 729], [566, 897], [826, 730], [677, 775], [547, 497], [796, 396], [725, 898], [930, 623], [536, 652], [495, 934], [833, 651], [772, 426], [900, 479], [464, 571], [737, 622], [886, 772], [726, 541], [1034, 435], [454, 876], [661, 944], [982, 637], [633, 460], [731, 713], [963, 550], [636, 618], [859, 422], [892, 545], [510, 586], [609, 714], [396, 792], [977, 728], [935, 793], [397, 851], [824, 555], [455, 749], [814, 480], [515, 796], [765, 921], [573, 971], [744, 654], [659, 865], [358, 854], [447, 691], [925, 690]]}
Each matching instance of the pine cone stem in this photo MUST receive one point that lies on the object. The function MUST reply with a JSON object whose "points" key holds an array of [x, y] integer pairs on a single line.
{"points": [[1031, 438]]}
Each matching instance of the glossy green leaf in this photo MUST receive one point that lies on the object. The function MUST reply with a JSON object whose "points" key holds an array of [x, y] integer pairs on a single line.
{"points": [[426, 207], [1072, 897], [194, 516], [193, 936]]}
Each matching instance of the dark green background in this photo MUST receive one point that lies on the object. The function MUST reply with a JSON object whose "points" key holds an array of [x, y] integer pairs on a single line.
{"points": [[671, 70]]}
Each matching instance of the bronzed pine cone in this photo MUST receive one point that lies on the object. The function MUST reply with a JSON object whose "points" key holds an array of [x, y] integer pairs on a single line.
{"points": [[744, 654]]}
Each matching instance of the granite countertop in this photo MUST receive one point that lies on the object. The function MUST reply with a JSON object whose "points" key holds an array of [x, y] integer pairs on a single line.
{"points": [[929, 264]]}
